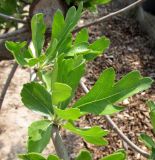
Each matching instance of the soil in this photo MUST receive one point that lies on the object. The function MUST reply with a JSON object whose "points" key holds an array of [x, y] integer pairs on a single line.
{"points": [[130, 49]]}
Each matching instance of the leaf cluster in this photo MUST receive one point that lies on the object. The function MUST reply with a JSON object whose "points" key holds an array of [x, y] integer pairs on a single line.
{"points": [[59, 69]]}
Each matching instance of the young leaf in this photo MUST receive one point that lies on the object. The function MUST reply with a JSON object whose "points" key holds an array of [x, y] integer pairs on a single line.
{"points": [[97, 48], [68, 114], [36, 98], [31, 156], [92, 135], [64, 41], [151, 105], [70, 72], [119, 155], [53, 157], [60, 92], [58, 25], [84, 155], [100, 101], [39, 135], [82, 36], [19, 51], [148, 141], [79, 49], [38, 30]]}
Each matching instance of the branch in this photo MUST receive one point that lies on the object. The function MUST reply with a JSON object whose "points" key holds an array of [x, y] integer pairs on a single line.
{"points": [[101, 19], [8, 81], [118, 131], [14, 33], [12, 18], [58, 144]]}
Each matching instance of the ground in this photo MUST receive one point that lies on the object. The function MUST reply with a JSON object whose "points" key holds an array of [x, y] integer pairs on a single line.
{"points": [[130, 49]]}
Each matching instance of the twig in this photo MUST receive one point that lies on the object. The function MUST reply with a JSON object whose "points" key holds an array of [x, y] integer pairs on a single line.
{"points": [[12, 18], [14, 33], [58, 144], [118, 131], [101, 19], [5, 88]]}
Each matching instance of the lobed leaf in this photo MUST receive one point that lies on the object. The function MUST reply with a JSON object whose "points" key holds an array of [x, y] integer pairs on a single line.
{"points": [[39, 135], [102, 97], [119, 155], [92, 135]]}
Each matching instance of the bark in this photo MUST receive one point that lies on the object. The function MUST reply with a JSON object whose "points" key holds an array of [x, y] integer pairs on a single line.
{"points": [[48, 7]]}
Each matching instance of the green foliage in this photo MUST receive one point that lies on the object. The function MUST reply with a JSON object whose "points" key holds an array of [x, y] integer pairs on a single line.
{"points": [[102, 97], [68, 114], [11, 8], [36, 156], [119, 155], [39, 135], [60, 92], [148, 141], [38, 30], [84, 155], [31, 156], [151, 105], [36, 98], [92, 135], [59, 69], [90, 4]]}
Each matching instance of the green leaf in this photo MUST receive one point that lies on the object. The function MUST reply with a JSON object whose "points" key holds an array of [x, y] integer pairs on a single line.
{"points": [[151, 105], [36, 98], [58, 25], [119, 155], [84, 155], [102, 97], [39, 135], [148, 141], [97, 48], [70, 72], [60, 92], [19, 52], [53, 157], [97, 2], [81, 48], [68, 114], [51, 50], [63, 33], [31, 156], [152, 156], [92, 135], [81, 36], [38, 30]]}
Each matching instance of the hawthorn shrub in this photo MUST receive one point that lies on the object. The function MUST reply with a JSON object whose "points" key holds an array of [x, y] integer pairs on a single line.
{"points": [[59, 69]]}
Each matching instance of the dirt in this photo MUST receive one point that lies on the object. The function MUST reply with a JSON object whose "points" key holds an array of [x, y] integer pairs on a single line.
{"points": [[130, 49]]}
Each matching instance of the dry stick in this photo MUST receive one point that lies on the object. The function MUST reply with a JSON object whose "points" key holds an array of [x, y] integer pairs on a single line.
{"points": [[99, 20], [118, 131], [12, 18], [58, 143], [14, 33], [5, 88]]}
